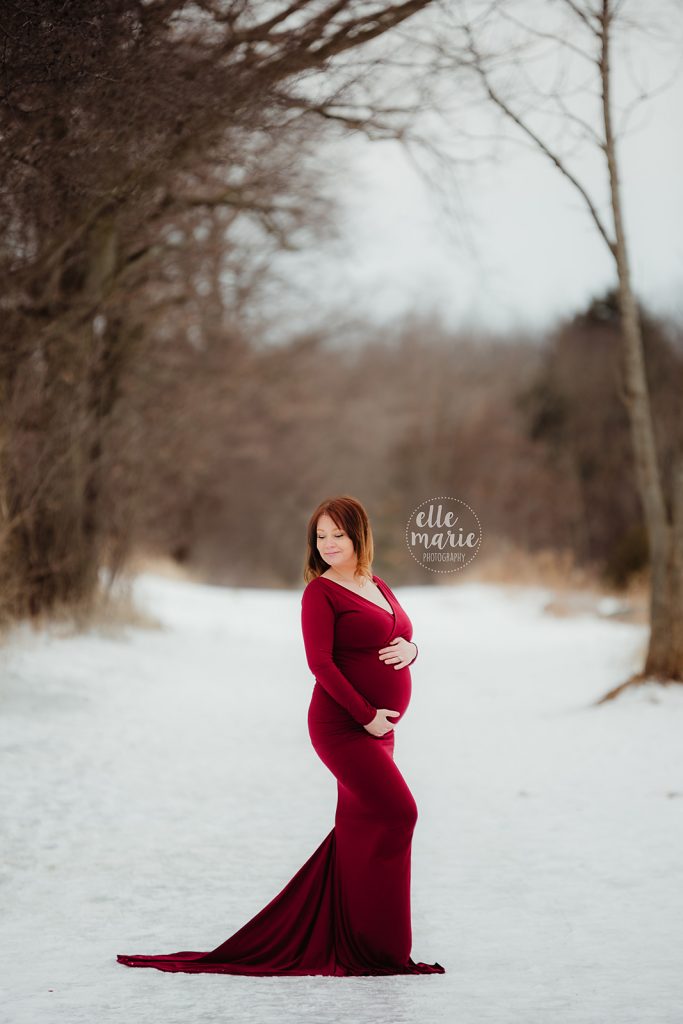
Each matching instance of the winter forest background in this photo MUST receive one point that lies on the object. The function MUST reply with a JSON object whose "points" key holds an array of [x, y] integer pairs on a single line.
{"points": [[169, 382], [254, 254]]}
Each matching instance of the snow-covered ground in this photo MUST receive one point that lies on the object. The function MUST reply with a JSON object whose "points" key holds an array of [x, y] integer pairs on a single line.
{"points": [[158, 787]]}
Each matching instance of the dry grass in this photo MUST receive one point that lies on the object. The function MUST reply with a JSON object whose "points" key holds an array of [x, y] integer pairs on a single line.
{"points": [[576, 590], [162, 565], [109, 614]]}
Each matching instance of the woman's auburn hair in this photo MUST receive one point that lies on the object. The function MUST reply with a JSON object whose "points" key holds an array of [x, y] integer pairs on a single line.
{"points": [[350, 516]]}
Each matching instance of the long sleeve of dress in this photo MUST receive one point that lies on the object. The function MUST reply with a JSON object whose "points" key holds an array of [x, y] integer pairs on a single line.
{"points": [[317, 623]]}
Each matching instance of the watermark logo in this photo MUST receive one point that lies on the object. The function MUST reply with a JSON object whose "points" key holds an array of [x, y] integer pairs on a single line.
{"points": [[443, 534]]}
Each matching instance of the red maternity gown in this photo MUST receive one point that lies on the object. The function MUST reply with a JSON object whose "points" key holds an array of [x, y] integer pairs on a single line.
{"points": [[347, 909]]}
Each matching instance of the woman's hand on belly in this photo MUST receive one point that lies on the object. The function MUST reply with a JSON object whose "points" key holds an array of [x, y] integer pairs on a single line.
{"points": [[380, 725], [400, 653]]}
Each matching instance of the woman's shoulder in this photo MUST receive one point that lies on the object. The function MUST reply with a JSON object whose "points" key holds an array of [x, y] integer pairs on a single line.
{"points": [[314, 581], [315, 586], [319, 597]]}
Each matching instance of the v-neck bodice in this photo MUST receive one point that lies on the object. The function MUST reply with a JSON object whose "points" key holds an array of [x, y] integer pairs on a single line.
{"points": [[376, 580], [344, 634]]}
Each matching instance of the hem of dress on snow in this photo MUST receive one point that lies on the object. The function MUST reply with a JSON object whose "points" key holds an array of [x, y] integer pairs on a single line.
{"points": [[183, 963]]}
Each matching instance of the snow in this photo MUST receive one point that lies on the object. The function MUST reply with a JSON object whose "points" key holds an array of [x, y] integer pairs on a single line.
{"points": [[158, 788]]}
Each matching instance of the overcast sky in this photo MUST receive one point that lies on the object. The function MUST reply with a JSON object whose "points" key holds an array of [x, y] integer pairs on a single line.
{"points": [[522, 249]]}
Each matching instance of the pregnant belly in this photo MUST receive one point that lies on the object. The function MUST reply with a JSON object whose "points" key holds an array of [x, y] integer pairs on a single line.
{"points": [[381, 684]]}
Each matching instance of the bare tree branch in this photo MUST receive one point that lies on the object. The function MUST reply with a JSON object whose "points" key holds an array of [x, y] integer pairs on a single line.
{"points": [[477, 63]]}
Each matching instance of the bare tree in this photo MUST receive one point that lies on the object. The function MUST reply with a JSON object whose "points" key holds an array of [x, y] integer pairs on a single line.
{"points": [[112, 118], [550, 120]]}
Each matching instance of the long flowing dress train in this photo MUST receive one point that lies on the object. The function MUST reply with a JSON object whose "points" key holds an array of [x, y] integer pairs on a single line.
{"points": [[346, 911]]}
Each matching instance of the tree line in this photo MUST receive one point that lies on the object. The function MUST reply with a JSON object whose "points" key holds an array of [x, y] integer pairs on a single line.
{"points": [[156, 156]]}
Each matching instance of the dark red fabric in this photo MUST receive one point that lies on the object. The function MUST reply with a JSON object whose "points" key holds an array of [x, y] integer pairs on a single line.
{"points": [[347, 909]]}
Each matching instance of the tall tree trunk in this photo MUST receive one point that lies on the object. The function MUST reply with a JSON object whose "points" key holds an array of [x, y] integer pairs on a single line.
{"points": [[664, 528], [50, 506]]}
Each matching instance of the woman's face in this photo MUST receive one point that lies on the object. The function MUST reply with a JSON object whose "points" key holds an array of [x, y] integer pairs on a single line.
{"points": [[334, 544]]}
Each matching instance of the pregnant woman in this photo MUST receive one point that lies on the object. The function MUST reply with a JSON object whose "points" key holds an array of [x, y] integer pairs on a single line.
{"points": [[347, 909]]}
